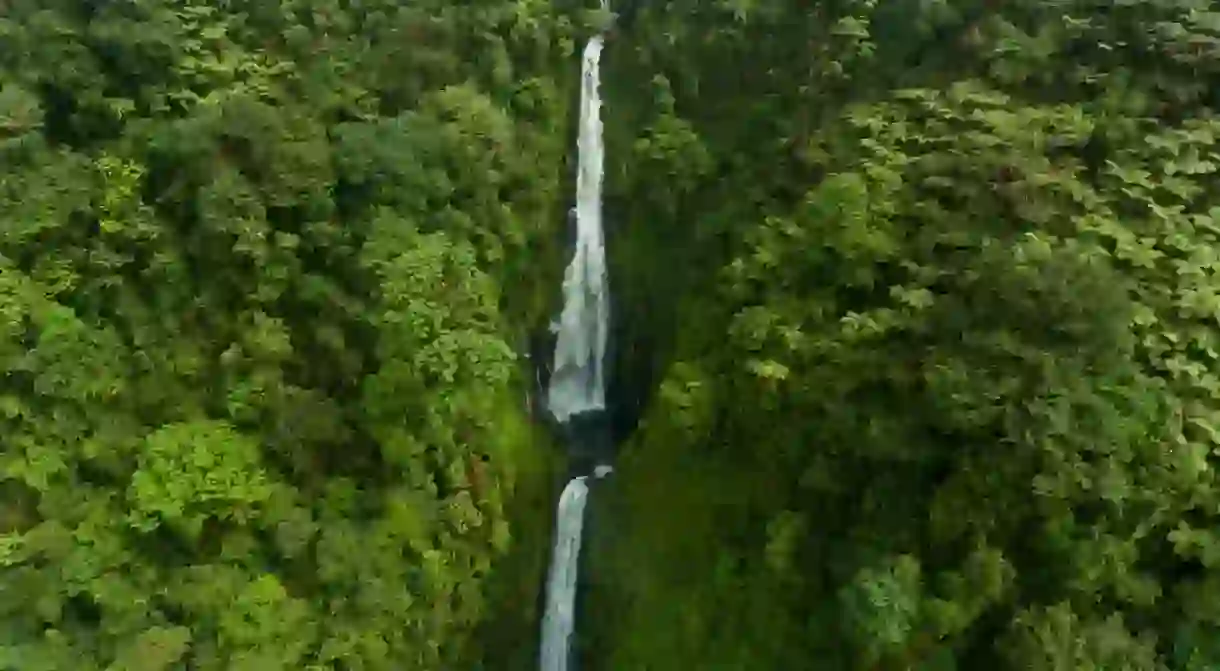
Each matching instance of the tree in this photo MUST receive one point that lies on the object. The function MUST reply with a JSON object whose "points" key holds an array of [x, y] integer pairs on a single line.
{"points": [[962, 414], [262, 407]]}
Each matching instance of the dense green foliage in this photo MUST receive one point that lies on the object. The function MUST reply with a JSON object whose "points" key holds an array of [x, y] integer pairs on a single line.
{"points": [[262, 298], [966, 256], [918, 300]]}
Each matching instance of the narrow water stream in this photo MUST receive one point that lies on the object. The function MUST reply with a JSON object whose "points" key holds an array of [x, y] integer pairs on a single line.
{"points": [[577, 385]]}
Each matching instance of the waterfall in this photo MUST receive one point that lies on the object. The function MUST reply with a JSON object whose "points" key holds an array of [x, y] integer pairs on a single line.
{"points": [[559, 619], [577, 384]]}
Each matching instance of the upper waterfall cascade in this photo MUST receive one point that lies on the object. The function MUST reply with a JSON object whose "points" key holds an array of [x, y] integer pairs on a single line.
{"points": [[577, 379]]}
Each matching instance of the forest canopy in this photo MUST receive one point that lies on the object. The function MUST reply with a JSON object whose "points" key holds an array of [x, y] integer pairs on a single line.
{"points": [[262, 404], [916, 334], [937, 382]]}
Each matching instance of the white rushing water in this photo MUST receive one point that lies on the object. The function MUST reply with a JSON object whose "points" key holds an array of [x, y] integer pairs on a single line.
{"points": [[559, 619], [577, 383]]}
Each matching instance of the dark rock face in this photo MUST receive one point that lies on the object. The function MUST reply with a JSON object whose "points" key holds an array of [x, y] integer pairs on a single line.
{"points": [[589, 442], [541, 349], [629, 370], [625, 12]]}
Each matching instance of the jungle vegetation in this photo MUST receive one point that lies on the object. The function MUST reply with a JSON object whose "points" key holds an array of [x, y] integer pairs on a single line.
{"points": [[931, 290], [917, 334]]}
